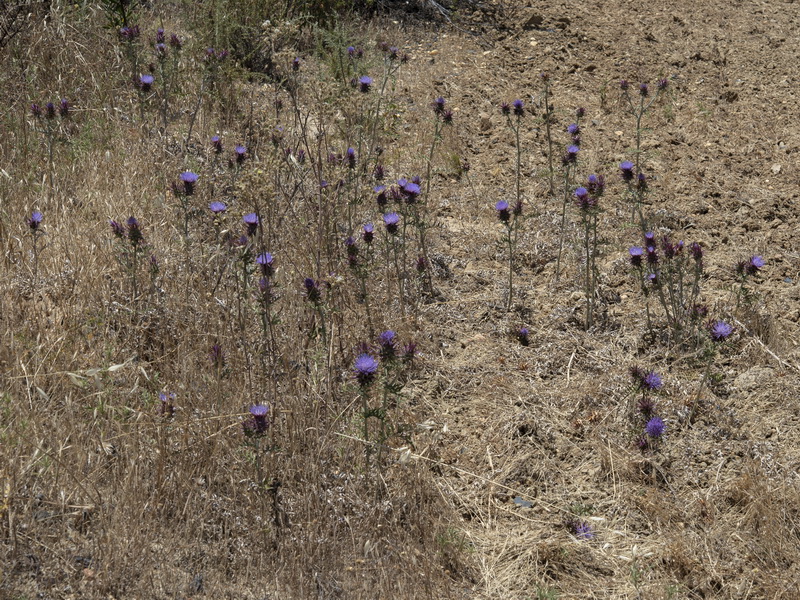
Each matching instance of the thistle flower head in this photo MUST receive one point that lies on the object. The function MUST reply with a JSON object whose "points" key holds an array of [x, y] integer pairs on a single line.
{"points": [[580, 112], [364, 83], [584, 200], [720, 331], [216, 357], [216, 144], [364, 369], [391, 220], [574, 129], [50, 110], [644, 91], [36, 111], [117, 229], [652, 381], [519, 107], [146, 82], [135, 235], [696, 250], [623, 84], [189, 179], [522, 336], [368, 233], [34, 220], [251, 222], [583, 531], [161, 50], [655, 427], [388, 344], [265, 261], [662, 84], [175, 41], [258, 422], [240, 153], [751, 266], [571, 156], [636, 253], [438, 105], [503, 212], [296, 64], [64, 108], [350, 157], [381, 198], [410, 191], [626, 169], [167, 404], [312, 289], [217, 207]]}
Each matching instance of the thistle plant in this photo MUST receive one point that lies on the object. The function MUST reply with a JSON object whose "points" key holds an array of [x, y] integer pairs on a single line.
{"points": [[746, 271], [359, 262], [510, 218], [184, 191], [313, 294], [548, 118], [718, 332], [569, 162], [673, 275], [587, 201], [45, 121], [34, 223], [394, 242], [364, 370], [638, 103], [266, 296], [255, 429], [132, 248], [517, 108]]}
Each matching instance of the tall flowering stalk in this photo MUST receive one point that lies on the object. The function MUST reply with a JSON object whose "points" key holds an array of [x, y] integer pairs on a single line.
{"points": [[510, 218], [587, 201], [569, 164], [745, 271], [517, 108], [34, 223], [638, 100], [365, 369], [718, 332]]}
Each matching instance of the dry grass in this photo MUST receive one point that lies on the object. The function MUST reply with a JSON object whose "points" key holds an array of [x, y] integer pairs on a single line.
{"points": [[497, 447]]}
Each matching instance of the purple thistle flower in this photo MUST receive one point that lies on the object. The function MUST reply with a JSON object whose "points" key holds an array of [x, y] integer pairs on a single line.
{"points": [[636, 254], [655, 427], [583, 531], [117, 229], [265, 261], [502, 211], [652, 278], [216, 144], [391, 220], [240, 153], [167, 406], [626, 168], [296, 64], [652, 381], [189, 179], [313, 292], [571, 157], [365, 368], [175, 41], [161, 50], [662, 84], [381, 198], [755, 264], [696, 250], [364, 83], [368, 233], [64, 108], [388, 345], [596, 184], [438, 106], [650, 239], [146, 82], [35, 220], [720, 331], [644, 91], [580, 112], [258, 423], [574, 129], [652, 256], [251, 222], [350, 157], [409, 352], [50, 110], [135, 235], [505, 108], [160, 37], [36, 111], [583, 199], [641, 182], [422, 264], [217, 207], [623, 84], [522, 336], [519, 107]]}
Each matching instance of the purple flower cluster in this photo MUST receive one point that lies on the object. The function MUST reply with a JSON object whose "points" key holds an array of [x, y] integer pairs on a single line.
{"points": [[131, 231], [258, 423]]}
